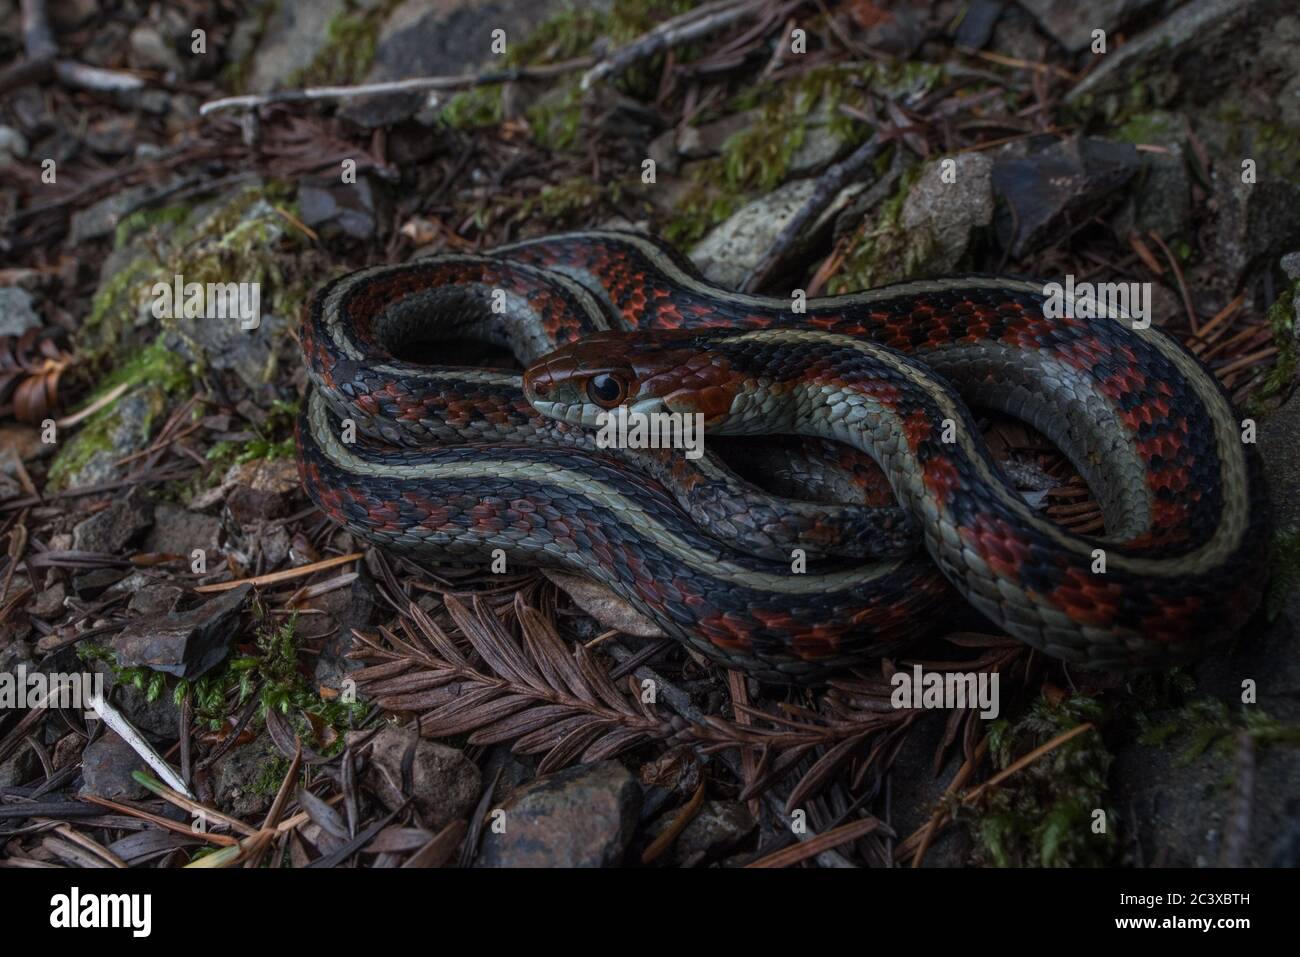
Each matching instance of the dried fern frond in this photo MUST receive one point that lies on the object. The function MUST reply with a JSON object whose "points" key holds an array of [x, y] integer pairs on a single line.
{"points": [[31, 366]]}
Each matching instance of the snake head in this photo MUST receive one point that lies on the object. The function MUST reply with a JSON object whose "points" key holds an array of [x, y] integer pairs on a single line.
{"points": [[663, 371]]}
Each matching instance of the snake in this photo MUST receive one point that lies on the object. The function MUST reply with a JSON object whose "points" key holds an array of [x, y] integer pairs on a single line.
{"points": [[466, 464]]}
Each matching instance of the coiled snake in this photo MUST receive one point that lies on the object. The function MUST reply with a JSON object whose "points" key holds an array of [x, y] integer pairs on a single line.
{"points": [[454, 463]]}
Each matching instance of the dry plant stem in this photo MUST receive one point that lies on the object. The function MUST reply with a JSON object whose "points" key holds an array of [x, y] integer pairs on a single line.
{"points": [[282, 576], [414, 85], [680, 29], [796, 853], [684, 817]]}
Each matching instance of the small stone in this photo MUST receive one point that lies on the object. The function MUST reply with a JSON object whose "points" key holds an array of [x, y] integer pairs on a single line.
{"points": [[149, 51], [734, 247], [49, 602], [1043, 190], [239, 778], [16, 312], [580, 817], [187, 643], [158, 719], [178, 531], [155, 598], [95, 582], [717, 829], [13, 145], [950, 212], [106, 766], [1072, 23], [19, 768], [445, 783], [261, 490], [111, 530], [346, 207]]}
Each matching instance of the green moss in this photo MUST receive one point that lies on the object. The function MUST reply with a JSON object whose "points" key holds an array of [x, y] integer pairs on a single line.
{"points": [[884, 252], [1042, 816], [757, 160], [556, 117], [102, 433], [1207, 724], [350, 40], [1278, 380], [570, 201], [271, 669], [152, 683]]}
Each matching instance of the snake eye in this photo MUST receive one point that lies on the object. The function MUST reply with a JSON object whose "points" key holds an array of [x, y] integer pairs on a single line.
{"points": [[605, 390]]}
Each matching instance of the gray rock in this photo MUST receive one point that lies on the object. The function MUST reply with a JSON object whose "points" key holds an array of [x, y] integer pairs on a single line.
{"points": [[127, 430], [718, 828], [109, 531], [149, 51], [154, 598], [48, 602], [101, 218], [238, 778], [1162, 190], [295, 34], [348, 208], [1043, 191], [580, 817], [950, 213], [261, 490], [106, 767], [423, 38], [158, 719], [734, 247], [1190, 42], [95, 582], [19, 768], [444, 783], [13, 145], [178, 531], [187, 643], [1255, 223], [976, 27], [16, 312], [1072, 23]]}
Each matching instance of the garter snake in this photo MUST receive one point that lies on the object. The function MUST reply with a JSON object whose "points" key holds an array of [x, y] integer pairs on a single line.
{"points": [[890, 370]]}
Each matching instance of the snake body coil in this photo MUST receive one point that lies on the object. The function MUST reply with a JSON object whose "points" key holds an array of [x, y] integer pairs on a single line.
{"points": [[460, 462]]}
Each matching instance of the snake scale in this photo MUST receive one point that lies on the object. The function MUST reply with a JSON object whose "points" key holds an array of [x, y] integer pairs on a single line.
{"points": [[452, 463]]}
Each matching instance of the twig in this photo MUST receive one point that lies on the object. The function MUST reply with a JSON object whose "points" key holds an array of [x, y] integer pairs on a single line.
{"points": [[688, 26], [797, 853], [115, 720], [1182, 284], [828, 187], [281, 576], [414, 85]]}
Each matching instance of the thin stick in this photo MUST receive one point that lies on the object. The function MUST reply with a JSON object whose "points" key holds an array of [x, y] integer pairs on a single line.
{"points": [[414, 85], [688, 26], [282, 576], [828, 187], [796, 853], [1182, 284]]}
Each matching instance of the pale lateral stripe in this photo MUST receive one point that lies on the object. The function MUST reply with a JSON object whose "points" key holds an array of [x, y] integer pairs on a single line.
{"points": [[580, 483]]}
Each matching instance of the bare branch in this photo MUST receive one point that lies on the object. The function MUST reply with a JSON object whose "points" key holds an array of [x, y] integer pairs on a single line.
{"points": [[414, 85], [688, 26]]}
